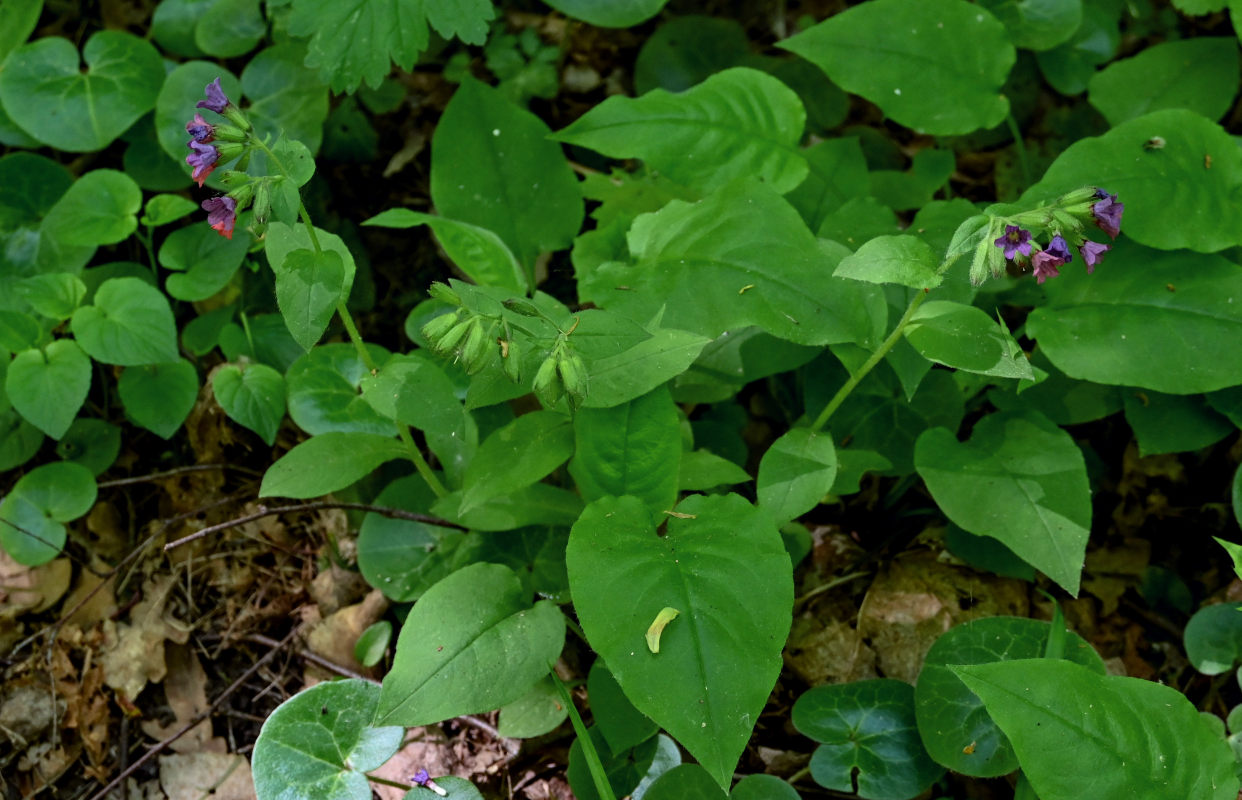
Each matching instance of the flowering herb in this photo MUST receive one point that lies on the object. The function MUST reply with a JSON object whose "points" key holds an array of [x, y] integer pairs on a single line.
{"points": [[216, 101], [1015, 240], [1107, 213], [221, 214], [1060, 248], [1092, 253], [203, 160], [1045, 265], [200, 130]]}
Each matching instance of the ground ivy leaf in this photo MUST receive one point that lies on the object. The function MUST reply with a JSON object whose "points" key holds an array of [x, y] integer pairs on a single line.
{"points": [[48, 386], [252, 395], [722, 564], [471, 644], [1020, 479], [129, 324]]}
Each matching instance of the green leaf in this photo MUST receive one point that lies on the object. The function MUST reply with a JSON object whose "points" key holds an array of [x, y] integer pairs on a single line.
{"points": [[795, 473], [633, 448], [1213, 638], [1134, 738], [1171, 423], [130, 324], [936, 66], [702, 470], [309, 286], [19, 440], [1113, 326], [838, 172], [55, 295], [456, 788], [903, 260], [685, 782], [1037, 24], [99, 208], [537, 504], [632, 373], [724, 567], [735, 359], [516, 456], [282, 240], [964, 337], [285, 97], [763, 787], [18, 19], [328, 462], [465, 19], [252, 395], [19, 331], [535, 713], [48, 94], [413, 390], [956, 729], [621, 725], [230, 28], [48, 386], [175, 106], [867, 734], [740, 257], [326, 393], [609, 13], [737, 123], [493, 166], [373, 643], [687, 50], [471, 644], [91, 443], [1234, 550], [479, 253], [1069, 67], [320, 743], [1019, 479], [204, 259], [354, 41], [32, 514], [1194, 74], [159, 396], [1158, 184], [630, 772]]}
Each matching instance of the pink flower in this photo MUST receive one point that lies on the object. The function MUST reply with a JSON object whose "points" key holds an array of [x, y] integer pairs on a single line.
{"points": [[1045, 265], [1092, 252], [200, 130], [203, 160], [221, 214]]}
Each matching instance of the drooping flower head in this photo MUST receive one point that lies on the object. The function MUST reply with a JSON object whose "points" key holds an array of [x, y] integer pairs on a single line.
{"points": [[203, 159], [1015, 240], [1107, 213], [1092, 253], [221, 214], [200, 130], [1060, 248], [1045, 265], [216, 101]]}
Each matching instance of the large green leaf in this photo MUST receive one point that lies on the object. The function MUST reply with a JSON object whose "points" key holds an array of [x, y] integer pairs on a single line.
{"points": [[633, 448], [936, 66], [357, 40], [795, 473], [328, 462], [493, 165], [624, 376], [285, 97], [516, 456], [1181, 311], [101, 207], [320, 743], [722, 565], [1037, 24], [1132, 737], [47, 93], [964, 337], [867, 737], [252, 395], [904, 260], [129, 324], [309, 286], [609, 13], [1173, 423], [956, 729], [1020, 479], [479, 253], [33, 513], [48, 386], [740, 257], [740, 122], [472, 643], [325, 388], [1167, 165], [1198, 74], [159, 396]]}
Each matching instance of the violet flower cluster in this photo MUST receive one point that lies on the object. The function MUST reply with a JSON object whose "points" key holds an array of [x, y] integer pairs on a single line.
{"points": [[1018, 246], [214, 144]]}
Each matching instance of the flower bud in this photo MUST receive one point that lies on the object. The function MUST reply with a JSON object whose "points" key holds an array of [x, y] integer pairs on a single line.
{"points": [[511, 359], [476, 350], [547, 387], [444, 293], [262, 202], [436, 328], [243, 194], [229, 150], [574, 376], [449, 341], [229, 133], [522, 306]]}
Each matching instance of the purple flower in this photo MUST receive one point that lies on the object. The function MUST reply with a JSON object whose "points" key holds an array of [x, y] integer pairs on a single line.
{"points": [[1060, 248], [1092, 252], [216, 101], [203, 160], [1016, 240], [1045, 265], [421, 777], [1107, 213], [221, 214], [200, 130]]}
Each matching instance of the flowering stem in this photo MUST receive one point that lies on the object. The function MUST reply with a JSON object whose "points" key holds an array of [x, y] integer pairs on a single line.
{"points": [[1019, 144], [347, 319]]}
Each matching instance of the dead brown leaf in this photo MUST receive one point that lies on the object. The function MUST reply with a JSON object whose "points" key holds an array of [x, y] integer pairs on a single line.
{"points": [[334, 636], [198, 776], [186, 691], [134, 654]]}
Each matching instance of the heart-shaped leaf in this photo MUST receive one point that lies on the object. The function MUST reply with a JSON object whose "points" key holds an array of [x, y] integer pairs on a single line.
{"points": [[795, 473], [33, 514], [129, 324], [92, 443], [101, 207], [1214, 638], [252, 395], [324, 391], [159, 396], [203, 261], [48, 386], [309, 286], [609, 13]]}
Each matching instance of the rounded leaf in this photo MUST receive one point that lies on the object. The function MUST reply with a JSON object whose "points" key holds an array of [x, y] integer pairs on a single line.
{"points": [[48, 386], [685, 782], [795, 473], [609, 13], [93, 443], [129, 324], [32, 514], [101, 207], [535, 713], [159, 396], [1214, 638], [252, 395]]}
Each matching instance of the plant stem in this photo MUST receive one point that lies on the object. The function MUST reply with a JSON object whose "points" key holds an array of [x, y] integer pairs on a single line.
{"points": [[1019, 144], [598, 776]]}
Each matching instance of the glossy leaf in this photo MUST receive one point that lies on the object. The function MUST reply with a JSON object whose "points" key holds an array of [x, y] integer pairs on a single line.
{"points": [[493, 165], [252, 395], [795, 473], [516, 456], [92, 443], [685, 782], [477, 252], [903, 260], [936, 66], [609, 13], [230, 28], [56, 295], [722, 564], [737, 123], [320, 743], [1214, 638], [47, 386], [1019, 479], [309, 286], [471, 644], [373, 643], [328, 462], [33, 513], [867, 736], [633, 448], [159, 396], [129, 324], [702, 470], [99, 208], [203, 260], [48, 94], [324, 391], [1134, 738], [962, 336], [956, 729], [1196, 74]]}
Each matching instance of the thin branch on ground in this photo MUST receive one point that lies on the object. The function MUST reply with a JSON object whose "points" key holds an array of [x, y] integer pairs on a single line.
{"points": [[170, 473]]}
